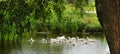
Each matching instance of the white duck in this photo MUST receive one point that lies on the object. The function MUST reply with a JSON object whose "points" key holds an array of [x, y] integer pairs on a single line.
{"points": [[31, 40], [44, 40], [90, 40], [61, 39], [52, 40], [70, 40], [87, 40]]}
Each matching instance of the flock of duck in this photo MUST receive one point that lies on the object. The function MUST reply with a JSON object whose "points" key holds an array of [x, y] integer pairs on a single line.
{"points": [[73, 40], [64, 40]]}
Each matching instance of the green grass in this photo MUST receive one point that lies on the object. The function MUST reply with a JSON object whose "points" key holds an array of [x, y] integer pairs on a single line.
{"points": [[73, 22], [92, 25]]}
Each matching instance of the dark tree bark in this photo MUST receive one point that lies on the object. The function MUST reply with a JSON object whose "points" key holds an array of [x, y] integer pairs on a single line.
{"points": [[108, 12]]}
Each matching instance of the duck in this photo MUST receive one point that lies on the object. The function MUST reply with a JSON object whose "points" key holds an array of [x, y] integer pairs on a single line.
{"points": [[52, 40], [44, 40], [73, 38], [79, 39], [61, 39], [84, 41], [31, 40], [90, 40], [87, 40]]}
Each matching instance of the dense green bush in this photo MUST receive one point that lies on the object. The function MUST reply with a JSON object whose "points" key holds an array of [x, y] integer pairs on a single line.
{"points": [[20, 18]]}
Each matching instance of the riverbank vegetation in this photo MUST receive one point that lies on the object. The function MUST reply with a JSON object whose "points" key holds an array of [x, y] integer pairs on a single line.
{"points": [[24, 18]]}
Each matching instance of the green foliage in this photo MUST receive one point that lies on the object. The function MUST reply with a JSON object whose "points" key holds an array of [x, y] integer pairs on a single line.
{"points": [[92, 24], [20, 18], [80, 3]]}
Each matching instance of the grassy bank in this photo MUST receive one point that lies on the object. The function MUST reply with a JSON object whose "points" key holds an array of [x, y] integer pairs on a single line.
{"points": [[72, 22]]}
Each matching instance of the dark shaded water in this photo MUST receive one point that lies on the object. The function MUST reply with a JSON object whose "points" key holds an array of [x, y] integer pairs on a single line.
{"points": [[98, 46]]}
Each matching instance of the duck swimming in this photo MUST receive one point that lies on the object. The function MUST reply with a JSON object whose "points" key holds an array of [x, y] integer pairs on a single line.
{"points": [[90, 40], [31, 40]]}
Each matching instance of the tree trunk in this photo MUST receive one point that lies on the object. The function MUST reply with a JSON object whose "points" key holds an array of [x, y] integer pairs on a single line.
{"points": [[108, 12]]}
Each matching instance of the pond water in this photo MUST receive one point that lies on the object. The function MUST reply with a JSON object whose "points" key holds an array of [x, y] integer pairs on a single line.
{"points": [[98, 45]]}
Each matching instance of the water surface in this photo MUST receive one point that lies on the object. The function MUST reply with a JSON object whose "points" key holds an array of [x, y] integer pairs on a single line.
{"points": [[99, 46]]}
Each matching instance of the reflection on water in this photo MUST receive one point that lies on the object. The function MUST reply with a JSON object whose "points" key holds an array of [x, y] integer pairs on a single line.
{"points": [[70, 45]]}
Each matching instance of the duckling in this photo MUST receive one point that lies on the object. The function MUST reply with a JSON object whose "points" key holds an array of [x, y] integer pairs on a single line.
{"points": [[44, 40], [79, 39], [86, 42], [53, 40], [61, 38], [90, 40], [31, 40], [71, 38]]}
